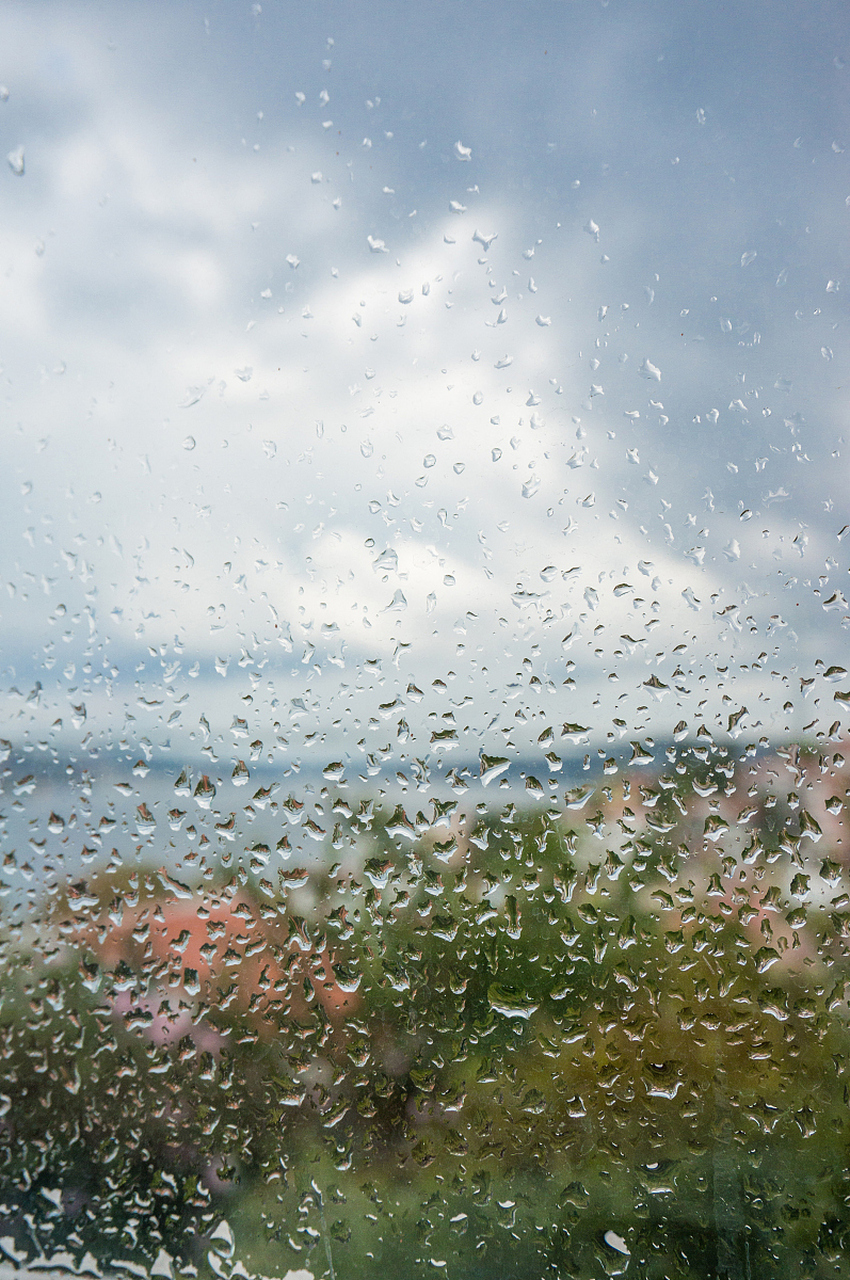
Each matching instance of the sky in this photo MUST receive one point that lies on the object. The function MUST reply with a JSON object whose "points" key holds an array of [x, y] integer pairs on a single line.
{"points": [[372, 374]]}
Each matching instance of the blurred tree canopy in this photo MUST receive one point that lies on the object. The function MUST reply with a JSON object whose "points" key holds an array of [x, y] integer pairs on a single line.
{"points": [[608, 1036]]}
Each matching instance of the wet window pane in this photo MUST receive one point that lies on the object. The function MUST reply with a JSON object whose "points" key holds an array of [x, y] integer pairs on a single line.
{"points": [[424, 752]]}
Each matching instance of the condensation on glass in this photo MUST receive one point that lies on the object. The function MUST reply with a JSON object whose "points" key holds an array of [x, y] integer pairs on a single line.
{"points": [[424, 751]]}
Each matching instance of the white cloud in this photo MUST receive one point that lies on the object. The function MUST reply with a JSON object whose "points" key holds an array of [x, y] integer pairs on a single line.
{"points": [[167, 274]]}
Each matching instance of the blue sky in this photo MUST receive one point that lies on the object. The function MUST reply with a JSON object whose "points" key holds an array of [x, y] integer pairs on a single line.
{"points": [[496, 345]]}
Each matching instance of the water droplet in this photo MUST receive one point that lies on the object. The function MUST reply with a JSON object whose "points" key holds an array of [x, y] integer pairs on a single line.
{"points": [[204, 792], [387, 561], [492, 767], [650, 371], [397, 604], [617, 1243], [511, 1003]]}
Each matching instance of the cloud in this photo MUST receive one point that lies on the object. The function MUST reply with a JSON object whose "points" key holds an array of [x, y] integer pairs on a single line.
{"points": [[633, 473]]}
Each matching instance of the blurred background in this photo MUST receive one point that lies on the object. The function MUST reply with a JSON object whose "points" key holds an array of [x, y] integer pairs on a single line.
{"points": [[424, 637]]}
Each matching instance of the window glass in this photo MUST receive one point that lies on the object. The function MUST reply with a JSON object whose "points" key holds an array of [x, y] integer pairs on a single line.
{"points": [[424, 752]]}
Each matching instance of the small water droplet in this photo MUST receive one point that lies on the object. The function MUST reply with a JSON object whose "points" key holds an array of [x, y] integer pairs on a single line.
{"points": [[650, 371], [511, 1004], [616, 1242]]}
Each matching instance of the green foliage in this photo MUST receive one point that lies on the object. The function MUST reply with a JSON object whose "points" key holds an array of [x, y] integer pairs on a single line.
{"points": [[500, 1037]]}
